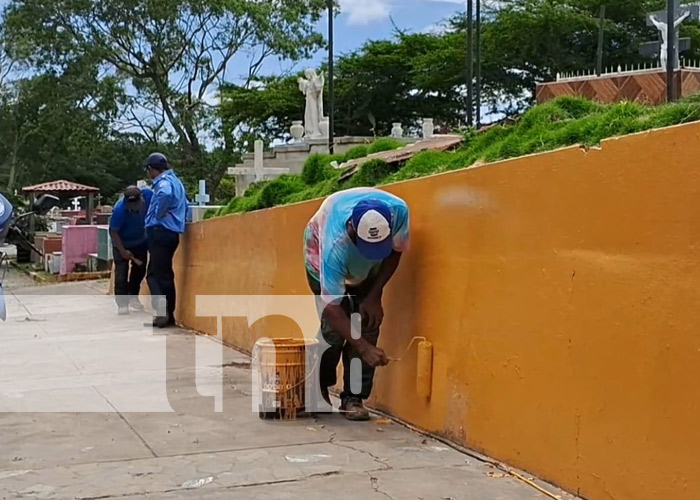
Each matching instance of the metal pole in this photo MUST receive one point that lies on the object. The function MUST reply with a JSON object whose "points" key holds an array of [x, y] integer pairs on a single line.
{"points": [[331, 86], [601, 41], [470, 65], [671, 55], [478, 64]]}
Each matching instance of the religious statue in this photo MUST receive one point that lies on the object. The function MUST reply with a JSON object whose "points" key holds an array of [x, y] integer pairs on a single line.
{"points": [[663, 29], [312, 88]]}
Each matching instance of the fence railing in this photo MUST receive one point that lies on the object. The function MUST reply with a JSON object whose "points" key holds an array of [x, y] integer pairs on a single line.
{"points": [[626, 69]]}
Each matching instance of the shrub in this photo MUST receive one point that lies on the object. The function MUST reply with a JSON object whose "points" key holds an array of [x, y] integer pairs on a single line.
{"points": [[357, 152], [276, 191], [561, 122], [425, 163], [317, 168], [384, 144], [370, 174]]}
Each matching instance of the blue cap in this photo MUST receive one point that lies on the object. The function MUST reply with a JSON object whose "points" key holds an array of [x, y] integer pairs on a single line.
{"points": [[372, 222], [157, 161]]}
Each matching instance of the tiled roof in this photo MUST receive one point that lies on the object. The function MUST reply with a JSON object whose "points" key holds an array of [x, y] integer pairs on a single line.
{"points": [[60, 187]]}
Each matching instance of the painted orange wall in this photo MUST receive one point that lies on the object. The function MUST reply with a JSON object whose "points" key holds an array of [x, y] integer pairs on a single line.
{"points": [[561, 293]]}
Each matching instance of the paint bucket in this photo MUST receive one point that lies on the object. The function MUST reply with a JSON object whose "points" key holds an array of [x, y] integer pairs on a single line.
{"points": [[285, 368]]}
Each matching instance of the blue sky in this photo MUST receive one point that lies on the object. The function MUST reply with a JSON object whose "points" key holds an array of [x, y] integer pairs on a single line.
{"points": [[362, 20]]}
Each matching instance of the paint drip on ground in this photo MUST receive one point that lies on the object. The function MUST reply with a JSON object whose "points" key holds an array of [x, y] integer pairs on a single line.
{"points": [[305, 459], [193, 484]]}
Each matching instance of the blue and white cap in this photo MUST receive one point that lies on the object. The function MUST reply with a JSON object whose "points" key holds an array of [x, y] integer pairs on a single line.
{"points": [[372, 222]]}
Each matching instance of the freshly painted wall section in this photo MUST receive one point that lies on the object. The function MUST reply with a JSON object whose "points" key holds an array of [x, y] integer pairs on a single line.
{"points": [[561, 293]]}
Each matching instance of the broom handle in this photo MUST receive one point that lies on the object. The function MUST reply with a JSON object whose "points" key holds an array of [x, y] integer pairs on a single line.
{"points": [[408, 348]]}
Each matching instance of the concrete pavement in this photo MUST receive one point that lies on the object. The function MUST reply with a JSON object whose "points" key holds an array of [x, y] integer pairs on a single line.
{"points": [[97, 406]]}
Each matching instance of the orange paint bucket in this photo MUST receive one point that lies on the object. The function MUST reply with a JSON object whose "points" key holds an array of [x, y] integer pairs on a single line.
{"points": [[283, 375]]}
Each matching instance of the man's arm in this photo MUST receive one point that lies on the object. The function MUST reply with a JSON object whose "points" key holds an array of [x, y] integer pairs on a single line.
{"points": [[386, 271], [119, 245], [332, 291], [161, 198], [339, 321], [371, 308], [115, 224]]}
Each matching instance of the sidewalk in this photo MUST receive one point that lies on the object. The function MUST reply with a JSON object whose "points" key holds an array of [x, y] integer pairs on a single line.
{"points": [[115, 410]]}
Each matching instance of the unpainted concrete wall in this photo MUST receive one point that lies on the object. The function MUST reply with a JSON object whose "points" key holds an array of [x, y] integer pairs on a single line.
{"points": [[562, 295]]}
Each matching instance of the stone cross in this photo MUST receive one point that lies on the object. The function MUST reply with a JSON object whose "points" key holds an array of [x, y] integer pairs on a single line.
{"points": [[202, 198], [660, 22], [258, 171], [75, 202]]}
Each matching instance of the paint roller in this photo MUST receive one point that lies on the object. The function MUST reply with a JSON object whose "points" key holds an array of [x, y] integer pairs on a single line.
{"points": [[424, 365]]}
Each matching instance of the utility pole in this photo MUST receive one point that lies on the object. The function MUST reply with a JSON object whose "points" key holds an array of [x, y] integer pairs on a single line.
{"points": [[601, 42], [671, 55], [478, 64], [470, 64], [331, 86]]}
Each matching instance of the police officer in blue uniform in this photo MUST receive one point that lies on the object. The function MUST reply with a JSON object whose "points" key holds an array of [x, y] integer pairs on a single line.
{"points": [[165, 222]]}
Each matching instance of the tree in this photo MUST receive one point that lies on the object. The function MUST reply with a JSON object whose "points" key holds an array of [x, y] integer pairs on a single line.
{"points": [[169, 55], [59, 126], [382, 82]]}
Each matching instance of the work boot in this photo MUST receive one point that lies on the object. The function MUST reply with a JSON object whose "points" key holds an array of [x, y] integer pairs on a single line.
{"points": [[354, 410], [135, 304], [160, 322], [123, 310]]}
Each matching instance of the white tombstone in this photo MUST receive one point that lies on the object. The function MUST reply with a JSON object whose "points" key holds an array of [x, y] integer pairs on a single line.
{"points": [[202, 198], [75, 204], [258, 172], [428, 128]]}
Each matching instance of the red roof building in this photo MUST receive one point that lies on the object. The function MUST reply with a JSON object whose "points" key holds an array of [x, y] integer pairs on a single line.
{"points": [[61, 187]]}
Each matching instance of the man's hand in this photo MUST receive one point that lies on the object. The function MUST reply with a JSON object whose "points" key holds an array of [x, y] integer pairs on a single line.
{"points": [[126, 254], [372, 312], [373, 356]]}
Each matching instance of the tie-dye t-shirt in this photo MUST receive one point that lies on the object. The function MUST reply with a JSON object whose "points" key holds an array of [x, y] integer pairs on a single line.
{"points": [[331, 256]]}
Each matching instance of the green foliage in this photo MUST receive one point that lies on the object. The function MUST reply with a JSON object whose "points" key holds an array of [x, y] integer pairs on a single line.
{"points": [[226, 191], [425, 163], [356, 152], [559, 123], [317, 168], [370, 174], [161, 60], [384, 144], [276, 191]]}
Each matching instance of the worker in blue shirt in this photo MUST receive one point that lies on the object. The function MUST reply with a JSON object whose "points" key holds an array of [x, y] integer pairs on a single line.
{"points": [[127, 228], [165, 222]]}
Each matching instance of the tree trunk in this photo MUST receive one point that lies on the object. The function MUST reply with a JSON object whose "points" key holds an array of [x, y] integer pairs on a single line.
{"points": [[13, 165]]}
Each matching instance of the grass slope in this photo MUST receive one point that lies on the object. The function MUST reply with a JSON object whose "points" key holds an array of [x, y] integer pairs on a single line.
{"points": [[562, 122]]}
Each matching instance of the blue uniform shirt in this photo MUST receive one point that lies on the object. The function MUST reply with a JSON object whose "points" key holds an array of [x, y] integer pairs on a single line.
{"points": [[168, 207], [131, 226], [5, 212]]}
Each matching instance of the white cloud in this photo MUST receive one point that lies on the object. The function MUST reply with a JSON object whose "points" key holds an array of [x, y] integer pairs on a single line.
{"points": [[435, 29], [490, 4], [365, 11]]}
